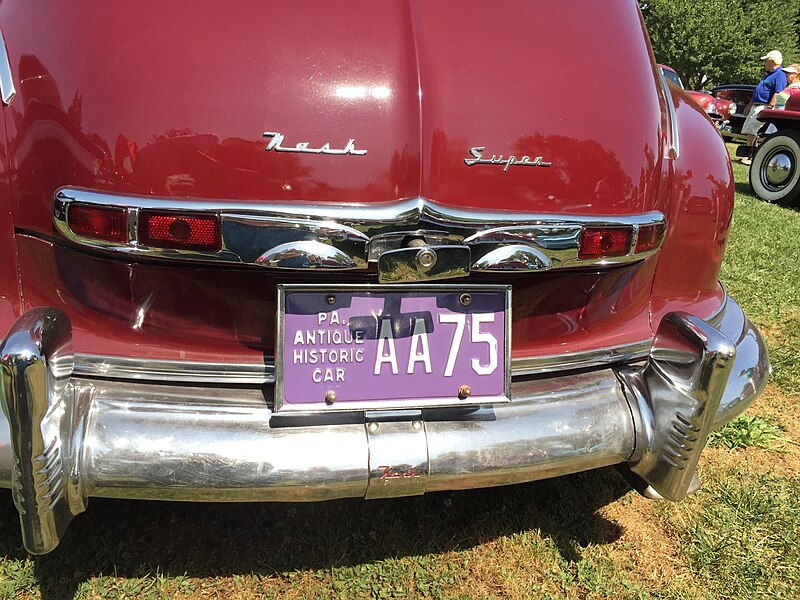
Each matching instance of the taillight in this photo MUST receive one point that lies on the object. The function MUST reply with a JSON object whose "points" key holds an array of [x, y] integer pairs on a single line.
{"points": [[599, 242], [107, 223], [649, 237], [179, 231]]}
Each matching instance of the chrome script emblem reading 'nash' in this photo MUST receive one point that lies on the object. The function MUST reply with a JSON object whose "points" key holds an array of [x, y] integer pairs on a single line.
{"points": [[277, 140], [525, 161]]}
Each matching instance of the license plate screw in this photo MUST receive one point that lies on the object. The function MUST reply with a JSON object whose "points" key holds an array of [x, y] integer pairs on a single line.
{"points": [[416, 425], [466, 300], [464, 391], [373, 427], [330, 299], [330, 397]]}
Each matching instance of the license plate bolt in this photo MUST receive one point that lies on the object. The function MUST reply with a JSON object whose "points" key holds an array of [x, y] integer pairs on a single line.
{"points": [[464, 391], [465, 299], [330, 397], [330, 299], [426, 258]]}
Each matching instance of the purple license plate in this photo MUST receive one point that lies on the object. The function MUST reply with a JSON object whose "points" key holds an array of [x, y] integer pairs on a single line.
{"points": [[371, 347]]}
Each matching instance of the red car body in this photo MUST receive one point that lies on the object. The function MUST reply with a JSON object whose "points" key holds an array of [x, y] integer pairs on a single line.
{"points": [[718, 109], [263, 117], [740, 95]]}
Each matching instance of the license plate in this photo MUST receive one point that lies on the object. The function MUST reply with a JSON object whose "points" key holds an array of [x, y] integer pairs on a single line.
{"points": [[350, 347]]}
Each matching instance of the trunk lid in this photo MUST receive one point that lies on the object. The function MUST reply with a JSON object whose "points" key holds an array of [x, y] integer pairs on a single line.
{"points": [[176, 104]]}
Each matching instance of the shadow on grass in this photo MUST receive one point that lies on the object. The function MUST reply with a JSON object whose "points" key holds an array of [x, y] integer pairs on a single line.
{"points": [[137, 538], [744, 188]]}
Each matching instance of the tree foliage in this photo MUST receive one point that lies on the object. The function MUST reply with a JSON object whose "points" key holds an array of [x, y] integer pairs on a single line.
{"points": [[721, 39]]}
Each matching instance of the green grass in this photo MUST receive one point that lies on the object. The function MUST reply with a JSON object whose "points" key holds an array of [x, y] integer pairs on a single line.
{"points": [[762, 270], [747, 431], [740, 535], [583, 536]]}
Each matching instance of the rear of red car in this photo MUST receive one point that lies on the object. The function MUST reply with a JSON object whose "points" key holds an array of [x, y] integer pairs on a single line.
{"points": [[306, 252]]}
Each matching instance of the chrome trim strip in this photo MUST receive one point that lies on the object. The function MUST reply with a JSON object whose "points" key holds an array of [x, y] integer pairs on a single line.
{"points": [[366, 218], [118, 367], [716, 317], [673, 145], [251, 232], [581, 360], [142, 369], [7, 89]]}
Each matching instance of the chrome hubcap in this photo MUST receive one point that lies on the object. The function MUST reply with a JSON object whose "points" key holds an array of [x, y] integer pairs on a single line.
{"points": [[779, 169]]}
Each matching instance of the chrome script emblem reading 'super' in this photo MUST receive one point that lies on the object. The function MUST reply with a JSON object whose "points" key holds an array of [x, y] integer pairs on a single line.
{"points": [[277, 140], [525, 161]]}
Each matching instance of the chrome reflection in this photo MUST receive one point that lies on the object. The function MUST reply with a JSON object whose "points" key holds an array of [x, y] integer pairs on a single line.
{"points": [[778, 170], [673, 143], [118, 367], [258, 233], [513, 258], [425, 263], [305, 255], [7, 89]]}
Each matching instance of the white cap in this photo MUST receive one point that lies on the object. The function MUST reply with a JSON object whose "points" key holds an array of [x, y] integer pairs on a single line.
{"points": [[789, 69], [775, 55]]}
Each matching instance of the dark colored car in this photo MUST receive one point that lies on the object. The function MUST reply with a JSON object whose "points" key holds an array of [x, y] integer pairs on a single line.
{"points": [[775, 171], [740, 94], [719, 110], [272, 251]]}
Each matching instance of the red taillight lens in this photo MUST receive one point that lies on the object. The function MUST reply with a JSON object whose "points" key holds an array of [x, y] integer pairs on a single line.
{"points": [[650, 237], [599, 242], [99, 222], [179, 231]]}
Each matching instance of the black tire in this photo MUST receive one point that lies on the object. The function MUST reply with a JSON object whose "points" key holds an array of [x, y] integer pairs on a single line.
{"points": [[775, 172]]}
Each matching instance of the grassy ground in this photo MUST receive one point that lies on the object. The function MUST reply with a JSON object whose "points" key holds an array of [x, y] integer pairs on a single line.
{"points": [[584, 536]]}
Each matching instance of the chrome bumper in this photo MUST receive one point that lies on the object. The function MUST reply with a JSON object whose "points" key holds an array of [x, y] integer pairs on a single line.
{"points": [[73, 437]]}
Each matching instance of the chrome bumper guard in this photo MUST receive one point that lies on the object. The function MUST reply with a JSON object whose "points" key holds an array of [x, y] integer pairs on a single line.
{"points": [[72, 437]]}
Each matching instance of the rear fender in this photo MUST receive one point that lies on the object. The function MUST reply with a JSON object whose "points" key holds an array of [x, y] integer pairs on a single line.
{"points": [[699, 208]]}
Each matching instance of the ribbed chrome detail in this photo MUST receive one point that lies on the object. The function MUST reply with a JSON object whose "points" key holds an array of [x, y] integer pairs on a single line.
{"points": [[7, 89], [306, 235]]}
